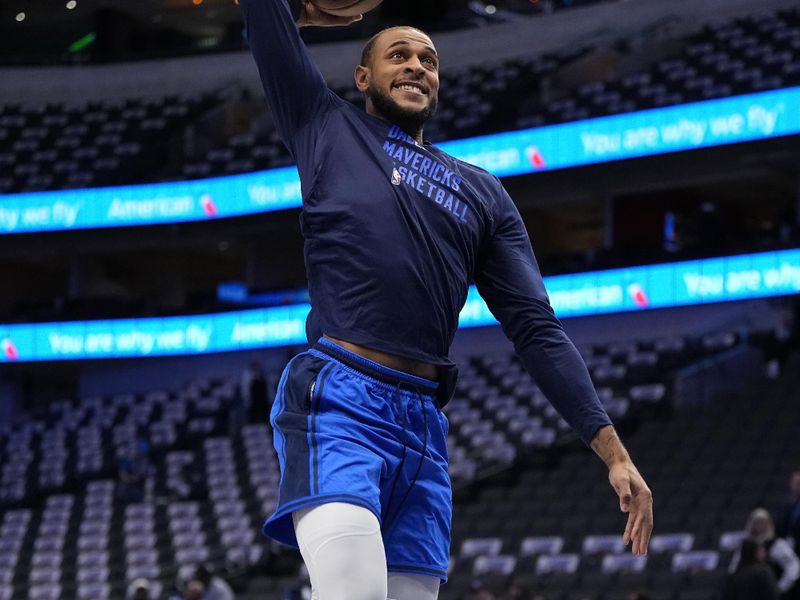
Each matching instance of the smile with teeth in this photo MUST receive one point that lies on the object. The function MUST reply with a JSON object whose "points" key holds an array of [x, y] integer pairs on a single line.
{"points": [[410, 87]]}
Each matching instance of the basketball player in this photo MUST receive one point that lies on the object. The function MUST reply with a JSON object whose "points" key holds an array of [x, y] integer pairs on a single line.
{"points": [[395, 230]]}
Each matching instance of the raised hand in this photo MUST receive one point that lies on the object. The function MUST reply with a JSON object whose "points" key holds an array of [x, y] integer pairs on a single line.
{"points": [[313, 16]]}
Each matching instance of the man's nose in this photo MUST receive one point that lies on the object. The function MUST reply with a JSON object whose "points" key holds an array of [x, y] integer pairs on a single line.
{"points": [[415, 66]]}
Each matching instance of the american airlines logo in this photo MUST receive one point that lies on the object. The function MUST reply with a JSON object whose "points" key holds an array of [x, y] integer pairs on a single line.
{"points": [[9, 349], [209, 207]]}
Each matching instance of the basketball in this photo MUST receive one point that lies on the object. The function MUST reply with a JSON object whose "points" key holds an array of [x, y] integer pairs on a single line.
{"points": [[346, 8]]}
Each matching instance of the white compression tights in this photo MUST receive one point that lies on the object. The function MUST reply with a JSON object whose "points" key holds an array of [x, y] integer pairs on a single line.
{"points": [[343, 550]]}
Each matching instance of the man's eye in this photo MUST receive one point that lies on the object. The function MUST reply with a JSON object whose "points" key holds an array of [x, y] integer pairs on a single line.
{"points": [[396, 55]]}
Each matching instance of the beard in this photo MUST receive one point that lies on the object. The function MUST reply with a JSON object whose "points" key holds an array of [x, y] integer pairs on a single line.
{"points": [[409, 120]]}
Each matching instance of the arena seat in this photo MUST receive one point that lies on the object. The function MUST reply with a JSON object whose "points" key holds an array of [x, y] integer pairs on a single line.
{"points": [[471, 548], [671, 542], [705, 560], [623, 563], [95, 143], [706, 473], [532, 546], [39, 591], [730, 540], [500, 564], [553, 524], [602, 544]]}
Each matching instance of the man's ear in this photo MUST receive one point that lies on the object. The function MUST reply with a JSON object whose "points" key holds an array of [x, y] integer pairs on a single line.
{"points": [[362, 78]]}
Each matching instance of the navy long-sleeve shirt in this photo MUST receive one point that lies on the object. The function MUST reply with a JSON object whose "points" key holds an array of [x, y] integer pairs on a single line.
{"points": [[396, 231]]}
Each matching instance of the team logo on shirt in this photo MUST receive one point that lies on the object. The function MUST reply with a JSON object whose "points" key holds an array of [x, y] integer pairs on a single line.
{"points": [[418, 169]]}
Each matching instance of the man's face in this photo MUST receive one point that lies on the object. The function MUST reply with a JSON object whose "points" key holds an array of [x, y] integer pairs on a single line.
{"points": [[794, 485], [402, 77]]}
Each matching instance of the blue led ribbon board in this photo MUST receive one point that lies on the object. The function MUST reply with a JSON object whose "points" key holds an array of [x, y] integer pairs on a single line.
{"points": [[646, 133], [619, 290]]}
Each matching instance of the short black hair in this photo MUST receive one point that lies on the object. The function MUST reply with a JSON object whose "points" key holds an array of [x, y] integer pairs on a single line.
{"points": [[369, 47]]}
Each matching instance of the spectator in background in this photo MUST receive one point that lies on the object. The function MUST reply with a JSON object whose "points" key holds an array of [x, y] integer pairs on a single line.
{"points": [[184, 575], [638, 596], [780, 343], [254, 393], [789, 524], [214, 587], [136, 473], [779, 556], [753, 579], [789, 521], [139, 589]]}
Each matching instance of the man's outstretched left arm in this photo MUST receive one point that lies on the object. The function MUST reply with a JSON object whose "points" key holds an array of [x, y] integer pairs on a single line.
{"points": [[509, 279]]}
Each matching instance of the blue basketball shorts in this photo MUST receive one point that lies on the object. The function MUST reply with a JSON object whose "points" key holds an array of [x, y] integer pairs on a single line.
{"points": [[347, 429]]}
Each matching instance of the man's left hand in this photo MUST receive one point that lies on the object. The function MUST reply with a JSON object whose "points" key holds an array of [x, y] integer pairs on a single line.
{"points": [[635, 499]]}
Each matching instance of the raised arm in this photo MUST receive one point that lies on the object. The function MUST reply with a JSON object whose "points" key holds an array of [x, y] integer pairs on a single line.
{"points": [[509, 279], [295, 89]]}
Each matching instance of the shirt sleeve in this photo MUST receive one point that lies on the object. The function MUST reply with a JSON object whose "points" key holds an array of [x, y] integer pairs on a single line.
{"points": [[509, 280], [295, 89], [781, 552]]}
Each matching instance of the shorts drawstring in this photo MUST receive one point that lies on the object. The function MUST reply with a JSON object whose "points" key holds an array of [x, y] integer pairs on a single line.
{"points": [[389, 518]]}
